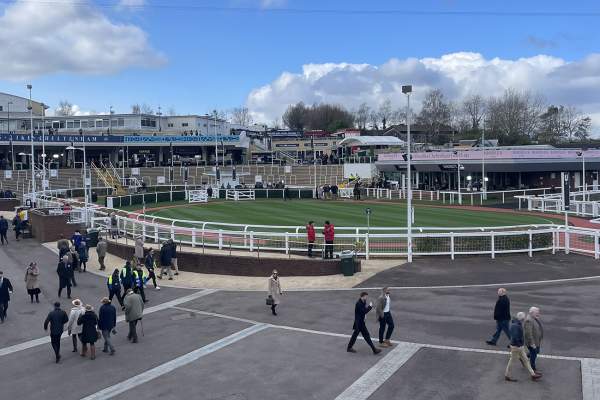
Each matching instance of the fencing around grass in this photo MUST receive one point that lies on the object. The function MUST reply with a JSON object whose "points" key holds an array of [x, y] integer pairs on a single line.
{"points": [[553, 203]]}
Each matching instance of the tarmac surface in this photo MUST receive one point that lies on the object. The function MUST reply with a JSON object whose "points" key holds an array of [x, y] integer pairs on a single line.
{"points": [[209, 344]]}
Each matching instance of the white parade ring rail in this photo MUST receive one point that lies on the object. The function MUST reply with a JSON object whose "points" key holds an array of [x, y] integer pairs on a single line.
{"points": [[367, 242]]}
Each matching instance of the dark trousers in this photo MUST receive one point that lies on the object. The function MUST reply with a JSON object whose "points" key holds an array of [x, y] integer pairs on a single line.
{"points": [[365, 334], [55, 341], [3, 308], [140, 290], [65, 284], [114, 292], [132, 331], [389, 321], [101, 261], [328, 249], [501, 326], [74, 339], [3, 237], [152, 275], [73, 280], [17, 234], [533, 353], [310, 248]]}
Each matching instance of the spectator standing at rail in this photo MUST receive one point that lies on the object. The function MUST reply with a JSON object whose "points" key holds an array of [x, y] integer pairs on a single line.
{"points": [[357, 190], [275, 291], [310, 237], [174, 264], [501, 316], [31, 282], [534, 334], [134, 310], [64, 270], [517, 349], [73, 329], [329, 235], [139, 249], [107, 321], [114, 226], [334, 191], [57, 319], [5, 290], [165, 261], [3, 229], [114, 286], [149, 262], [360, 327], [384, 317], [101, 248]]}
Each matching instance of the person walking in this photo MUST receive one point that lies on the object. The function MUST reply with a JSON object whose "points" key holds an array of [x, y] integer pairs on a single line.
{"points": [[360, 311], [107, 321], [329, 234], [57, 319], [5, 290], [533, 335], [31, 282], [17, 226], [101, 248], [114, 287], [127, 276], [275, 291], [63, 246], [74, 261], [139, 276], [65, 276], [114, 226], [134, 311], [73, 329], [501, 316], [311, 236], [165, 261], [384, 317], [174, 264], [3, 229], [517, 349], [149, 263], [89, 331], [76, 238], [82, 253], [139, 249]]}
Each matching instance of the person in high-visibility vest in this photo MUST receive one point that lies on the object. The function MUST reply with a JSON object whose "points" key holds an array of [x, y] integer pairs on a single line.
{"points": [[127, 276], [114, 286], [139, 277]]}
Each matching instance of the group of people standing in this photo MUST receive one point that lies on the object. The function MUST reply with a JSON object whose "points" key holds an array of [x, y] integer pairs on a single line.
{"points": [[328, 236]]}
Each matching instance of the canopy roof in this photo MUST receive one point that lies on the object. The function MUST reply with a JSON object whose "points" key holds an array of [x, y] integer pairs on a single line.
{"points": [[372, 141]]}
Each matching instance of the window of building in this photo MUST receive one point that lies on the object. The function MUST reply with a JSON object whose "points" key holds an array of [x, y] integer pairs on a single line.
{"points": [[184, 124], [77, 124], [149, 122], [70, 124], [170, 124], [105, 123], [1, 109], [84, 123], [121, 122]]}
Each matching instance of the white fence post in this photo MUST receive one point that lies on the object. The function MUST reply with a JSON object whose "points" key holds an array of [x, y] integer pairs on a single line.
{"points": [[493, 244], [287, 243], [367, 245], [567, 238], [554, 241], [452, 245], [193, 237], [220, 239], [251, 240], [156, 233], [530, 243]]}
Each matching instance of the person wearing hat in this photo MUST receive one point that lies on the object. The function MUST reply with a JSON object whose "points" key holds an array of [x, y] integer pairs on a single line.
{"points": [[107, 321], [89, 331], [134, 311], [72, 328], [57, 319]]}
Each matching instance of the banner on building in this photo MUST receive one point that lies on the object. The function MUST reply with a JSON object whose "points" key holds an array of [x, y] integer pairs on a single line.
{"points": [[8, 174]]}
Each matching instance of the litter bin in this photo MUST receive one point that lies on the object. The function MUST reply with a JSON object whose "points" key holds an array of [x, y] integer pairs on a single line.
{"points": [[347, 260], [92, 237]]}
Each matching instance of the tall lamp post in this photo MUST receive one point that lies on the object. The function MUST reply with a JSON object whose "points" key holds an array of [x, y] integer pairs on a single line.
{"points": [[44, 108], [30, 107], [110, 114], [483, 177], [457, 154], [583, 182], [12, 146], [407, 90]]}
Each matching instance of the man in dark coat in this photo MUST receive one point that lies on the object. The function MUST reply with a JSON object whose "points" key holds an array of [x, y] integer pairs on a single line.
{"points": [[360, 311], [107, 320], [165, 260], [57, 320], [3, 229], [5, 290], [127, 276], [501, 316], [65, 276]]}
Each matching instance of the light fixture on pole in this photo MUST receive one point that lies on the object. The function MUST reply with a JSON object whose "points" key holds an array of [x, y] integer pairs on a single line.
{"points": [[12, 147], [407, 90], [581, 154], [30, 108], [44, 108], [457, 154], [483, 177], [110, 114]]}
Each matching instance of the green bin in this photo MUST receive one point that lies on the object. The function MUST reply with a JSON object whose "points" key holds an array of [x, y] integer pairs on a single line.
{"points": [[347, 260], [92, 237]]}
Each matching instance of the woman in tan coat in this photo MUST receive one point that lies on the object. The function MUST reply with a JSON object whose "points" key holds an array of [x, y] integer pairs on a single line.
{"points": [[275, 290], [31, 281]]}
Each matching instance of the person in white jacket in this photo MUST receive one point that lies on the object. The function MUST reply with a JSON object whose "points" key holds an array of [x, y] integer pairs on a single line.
{"points": [[73, 329]]}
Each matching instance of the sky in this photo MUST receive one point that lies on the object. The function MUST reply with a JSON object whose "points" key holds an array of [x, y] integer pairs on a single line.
{"points": [[194, 56]]}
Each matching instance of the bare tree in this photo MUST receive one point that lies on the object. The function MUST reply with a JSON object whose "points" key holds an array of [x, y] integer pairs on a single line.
{"points": [[146, 109], [474, 108], [374, 120], [361, 116], [65, 109], [241, 116], [514, 117], [136, 109], [435, 113], [385, 112], [295, 116]]}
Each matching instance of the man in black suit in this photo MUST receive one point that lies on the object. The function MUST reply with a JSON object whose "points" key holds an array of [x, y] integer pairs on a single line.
{"points": [[5, 290], [65, 276], [360, 311], [57, 320]]}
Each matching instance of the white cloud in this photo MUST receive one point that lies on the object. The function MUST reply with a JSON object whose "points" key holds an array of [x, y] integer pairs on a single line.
{"points": [[272, 3], [131, 3], [71, 36], [458, 75]]}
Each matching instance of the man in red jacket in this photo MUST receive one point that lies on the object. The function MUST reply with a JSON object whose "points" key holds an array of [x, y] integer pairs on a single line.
{"points": [[329, 234], [310, 236]]}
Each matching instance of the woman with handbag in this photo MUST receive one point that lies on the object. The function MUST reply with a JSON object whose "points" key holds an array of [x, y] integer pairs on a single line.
{"points": [[89, 331], [31, 282], [275, 292]]}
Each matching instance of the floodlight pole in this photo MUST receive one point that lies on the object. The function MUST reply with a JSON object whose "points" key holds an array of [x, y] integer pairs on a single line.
{"points": [[407, 90], [32, 148]]}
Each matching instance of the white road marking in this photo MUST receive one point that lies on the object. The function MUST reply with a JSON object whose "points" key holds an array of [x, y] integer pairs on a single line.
{"points": [[590, 378], [169, 366], [159, 307], [379, 373]]}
